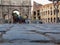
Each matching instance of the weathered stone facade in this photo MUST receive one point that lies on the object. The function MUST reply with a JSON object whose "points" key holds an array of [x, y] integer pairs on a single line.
{"points": [[36, 11], [8, 6], [46, 13]]}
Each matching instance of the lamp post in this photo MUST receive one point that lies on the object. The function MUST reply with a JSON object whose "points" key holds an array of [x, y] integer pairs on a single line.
{"points": [[56, 5]]}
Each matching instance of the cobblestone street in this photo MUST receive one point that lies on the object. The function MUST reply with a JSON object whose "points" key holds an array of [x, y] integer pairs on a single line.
{"points": [[29, 34]]}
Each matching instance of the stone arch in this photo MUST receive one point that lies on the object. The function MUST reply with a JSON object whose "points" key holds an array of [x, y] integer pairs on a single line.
{"points": [[5, 17], [14, 18], [15, 10]]}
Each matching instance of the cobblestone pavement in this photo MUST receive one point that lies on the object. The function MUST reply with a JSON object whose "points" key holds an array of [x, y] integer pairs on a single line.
{"points": [[30, 34]]}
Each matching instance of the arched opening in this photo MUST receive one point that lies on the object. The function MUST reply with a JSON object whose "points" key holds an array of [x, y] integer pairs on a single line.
{"points": [[17, 18], [5, 18], [51, 19], [54, 19], [15, 15]]}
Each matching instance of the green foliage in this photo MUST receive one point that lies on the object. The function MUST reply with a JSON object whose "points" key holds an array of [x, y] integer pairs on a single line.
{"points": [[20, 17], [15, 14]]}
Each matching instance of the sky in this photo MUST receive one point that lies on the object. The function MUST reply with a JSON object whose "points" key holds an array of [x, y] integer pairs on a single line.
{"points": [[42, 1]]}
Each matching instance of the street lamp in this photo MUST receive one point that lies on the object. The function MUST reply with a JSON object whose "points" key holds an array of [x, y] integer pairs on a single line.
{"points": [[56, 5]]}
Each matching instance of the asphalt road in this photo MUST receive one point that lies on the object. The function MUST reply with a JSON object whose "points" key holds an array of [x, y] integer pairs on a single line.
{"points": [[30, 34]]}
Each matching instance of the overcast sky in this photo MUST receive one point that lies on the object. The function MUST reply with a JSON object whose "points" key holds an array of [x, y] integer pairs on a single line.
{"points": [[42, 1]]}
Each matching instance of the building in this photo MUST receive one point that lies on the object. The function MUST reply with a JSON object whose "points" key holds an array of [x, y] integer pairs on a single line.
{"points": [[36, 11], [47, 13], [7, 7]]}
